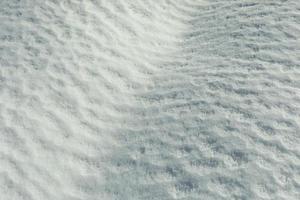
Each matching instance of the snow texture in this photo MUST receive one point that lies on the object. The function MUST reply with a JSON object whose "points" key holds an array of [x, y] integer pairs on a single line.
{"points": [[149, 100]]}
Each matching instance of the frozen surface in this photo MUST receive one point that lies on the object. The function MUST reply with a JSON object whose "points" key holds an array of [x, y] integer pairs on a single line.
{"points": [[146, 99]]}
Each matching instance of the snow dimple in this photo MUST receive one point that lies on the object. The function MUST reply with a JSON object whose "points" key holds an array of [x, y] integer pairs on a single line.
{"points": [[149, 100]]}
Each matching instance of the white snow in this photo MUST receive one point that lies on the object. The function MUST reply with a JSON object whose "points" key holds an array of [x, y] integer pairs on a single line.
{"points": [[143, 99]]}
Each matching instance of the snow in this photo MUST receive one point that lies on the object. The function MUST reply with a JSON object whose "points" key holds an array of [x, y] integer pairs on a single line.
{"points": [[170, 99]]}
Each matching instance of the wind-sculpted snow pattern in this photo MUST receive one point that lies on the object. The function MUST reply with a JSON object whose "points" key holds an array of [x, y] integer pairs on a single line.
{"points": [[144, 99]]}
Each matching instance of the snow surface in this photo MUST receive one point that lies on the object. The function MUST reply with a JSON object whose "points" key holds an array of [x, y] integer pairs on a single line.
{"points": [[145, 99]]}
